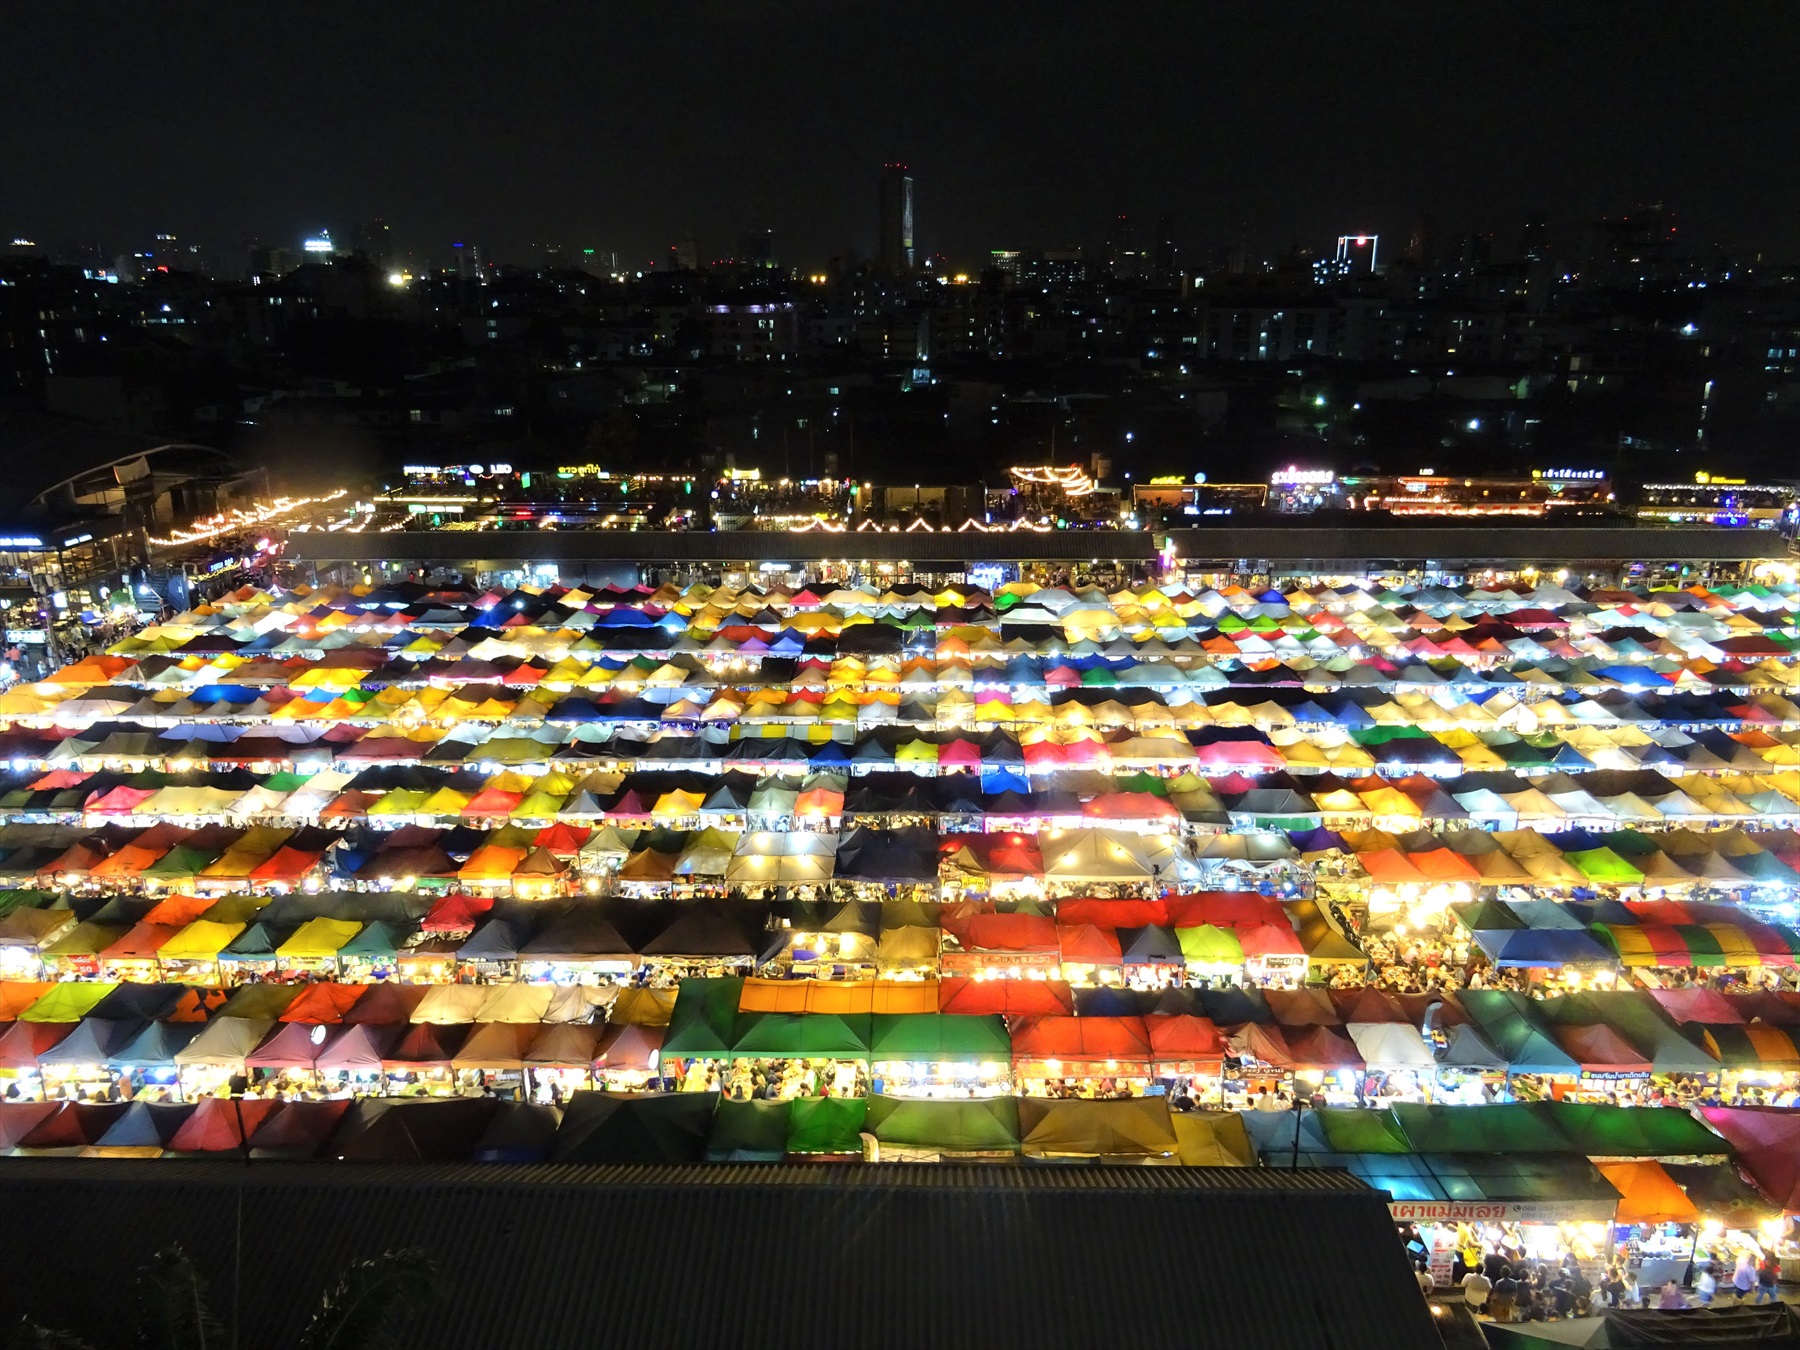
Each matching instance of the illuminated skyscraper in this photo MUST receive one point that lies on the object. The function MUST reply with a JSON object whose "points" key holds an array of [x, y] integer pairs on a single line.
{"points": [[895, 250]]}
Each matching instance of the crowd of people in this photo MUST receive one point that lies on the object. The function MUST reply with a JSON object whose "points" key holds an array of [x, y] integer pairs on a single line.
{"points": [[1501, 1282]]}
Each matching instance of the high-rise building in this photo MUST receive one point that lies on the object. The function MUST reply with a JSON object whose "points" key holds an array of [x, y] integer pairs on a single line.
{"points": [[1421, 246], [468, 261], [1124, 257], [319, 247], [1631, 249], [895, 252], [684, 254], [756, 249], [1165, 258], [375, 241], [1534, 241]]}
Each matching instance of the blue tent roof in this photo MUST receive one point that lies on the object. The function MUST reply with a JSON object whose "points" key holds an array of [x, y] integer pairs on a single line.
{"points": [[1526, 947], [1004, 780], [224, 693]]}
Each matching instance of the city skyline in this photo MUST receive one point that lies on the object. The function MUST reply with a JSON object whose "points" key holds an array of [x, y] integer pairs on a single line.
{"points": [[629, 135]]}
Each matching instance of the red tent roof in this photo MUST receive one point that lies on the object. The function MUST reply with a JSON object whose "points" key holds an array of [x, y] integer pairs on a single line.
{"points": [[1084, 944], [1012, 998], [1302, 1007], [1182, 1039], [359, 1047], [75, 1125], [1268, 939], [215, 1125], [562, 839], [1322, 1048], [1600, 1049], [1223, 909], [300, 1127], [1082, 1044], [384, 1003], [1767, 1141], [1113, 913], [291, 1047], [25, 1041], [1009, 933], [1699, 1004], [18, 1119], [457, 913], [427, 1045], [1263, 1044]]}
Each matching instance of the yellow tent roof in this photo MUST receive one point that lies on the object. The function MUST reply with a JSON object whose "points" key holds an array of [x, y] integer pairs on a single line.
{"points": [[201, 940], [317, 938]]}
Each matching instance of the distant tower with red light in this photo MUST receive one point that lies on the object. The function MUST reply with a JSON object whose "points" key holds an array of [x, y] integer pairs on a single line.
{"points": [[1356, 254]]}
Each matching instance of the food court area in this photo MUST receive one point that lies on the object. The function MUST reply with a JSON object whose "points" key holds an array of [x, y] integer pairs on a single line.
{"points": [[1486, 895]]}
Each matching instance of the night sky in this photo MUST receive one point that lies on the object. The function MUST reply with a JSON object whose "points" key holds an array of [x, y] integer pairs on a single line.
{"points": [[622, 126]]}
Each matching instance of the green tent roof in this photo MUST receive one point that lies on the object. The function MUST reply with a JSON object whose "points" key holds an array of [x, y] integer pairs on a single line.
{"points": [[1603, 866], [67, 1002], [11, 900], [939, 1038], [1511, 1024], [1477, 1178], [1634, 1015], [826, 1124], [376, 939], [1368, 736], [754, 1131], [703, 1019], [181, 861], [1487, 916], [1362, 1131], [256, 943], [1510, 1128], [770, 1035], [953, 1126], [1630, 1132], [1207, 945]]}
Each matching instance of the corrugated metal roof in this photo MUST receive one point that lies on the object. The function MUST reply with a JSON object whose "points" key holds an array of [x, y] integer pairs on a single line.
{"points": [[749, 1255]]}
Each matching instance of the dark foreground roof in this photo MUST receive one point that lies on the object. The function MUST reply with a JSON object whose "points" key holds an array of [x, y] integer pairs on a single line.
{"points": [[747, 1255]]}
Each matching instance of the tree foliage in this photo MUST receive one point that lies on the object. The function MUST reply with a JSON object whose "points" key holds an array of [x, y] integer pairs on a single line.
{"points": [[172, 1298], [365, 1308]]}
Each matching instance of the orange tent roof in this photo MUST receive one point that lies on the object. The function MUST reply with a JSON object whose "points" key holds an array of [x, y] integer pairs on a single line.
{"points": [[1442, 864], [18, 995], [1390, 867], [179, 911], [324, 1002], [1648, 1194], [839, 996]]}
